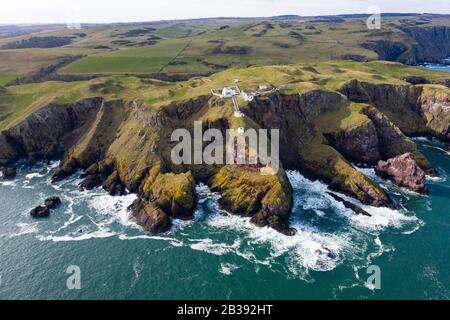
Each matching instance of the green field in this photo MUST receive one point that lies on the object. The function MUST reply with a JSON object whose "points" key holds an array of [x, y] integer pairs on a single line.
{"points": [[201, 46], [149, 59], [4, 79]]}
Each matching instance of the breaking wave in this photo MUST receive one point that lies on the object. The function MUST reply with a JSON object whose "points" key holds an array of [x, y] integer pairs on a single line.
{"points": [[327, 233]]}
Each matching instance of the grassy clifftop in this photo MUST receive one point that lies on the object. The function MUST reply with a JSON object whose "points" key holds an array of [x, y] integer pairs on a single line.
{"points": [[17, 102]]}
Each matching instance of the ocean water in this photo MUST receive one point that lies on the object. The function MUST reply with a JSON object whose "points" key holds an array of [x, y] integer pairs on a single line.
{"points": [[437, 66], [220, 256]]}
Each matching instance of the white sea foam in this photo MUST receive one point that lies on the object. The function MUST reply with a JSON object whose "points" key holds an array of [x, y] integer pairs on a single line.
{"points": [[25, 228], [114, 208], [227, 268], [207, 245], [8, 183], [308, 248], [380, 219], [312, 248], [99, 234], [34, 175], [173, 242]]}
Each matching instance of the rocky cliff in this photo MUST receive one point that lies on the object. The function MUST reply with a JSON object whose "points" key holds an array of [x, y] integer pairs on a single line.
{"points": [[125, 146], [421, 44]]}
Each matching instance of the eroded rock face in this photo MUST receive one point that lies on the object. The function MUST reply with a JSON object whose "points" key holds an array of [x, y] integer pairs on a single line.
{"points": [[267, 199], [428, 44], [358, 144], [114, 185], [403, 171], [44, 134], [304, 121], [150, 217], [8, 153], [415, 110]]}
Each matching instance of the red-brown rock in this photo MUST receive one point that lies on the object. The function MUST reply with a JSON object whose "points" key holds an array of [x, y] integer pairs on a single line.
{"points": [[403, 171]]}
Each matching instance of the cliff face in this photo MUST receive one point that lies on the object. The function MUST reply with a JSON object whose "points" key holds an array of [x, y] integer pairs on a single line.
{"points": [[416, 110], [127, 145], [425, 44], [432, 44], [305, 121], [46, 134]]}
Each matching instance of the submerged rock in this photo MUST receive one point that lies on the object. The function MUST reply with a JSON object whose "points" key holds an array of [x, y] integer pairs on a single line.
{"points": [[356, 209], [403, 171]]}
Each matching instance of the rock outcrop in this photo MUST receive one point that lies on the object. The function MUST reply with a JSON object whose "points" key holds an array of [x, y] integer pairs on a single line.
{"points": [[305, 121], [8, 173], [52, 202], [44, 210], [415, 110], [356, 209], [268, 200], [403, 171], [151, 218], [40, 212], [174, 193]]}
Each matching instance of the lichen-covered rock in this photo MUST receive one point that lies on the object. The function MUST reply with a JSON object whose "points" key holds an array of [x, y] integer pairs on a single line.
{"points": [[150, 217], [403, 171], [346, 179], [268, 199], [174, 193]]}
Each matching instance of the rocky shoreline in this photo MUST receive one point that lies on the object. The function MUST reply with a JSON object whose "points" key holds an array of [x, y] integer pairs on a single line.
{"points": [[125, 147]]}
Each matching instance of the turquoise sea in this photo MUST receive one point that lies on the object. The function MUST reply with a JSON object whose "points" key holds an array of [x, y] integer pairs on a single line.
{"points": [[220, 256]]}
